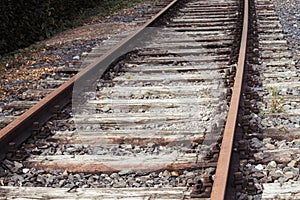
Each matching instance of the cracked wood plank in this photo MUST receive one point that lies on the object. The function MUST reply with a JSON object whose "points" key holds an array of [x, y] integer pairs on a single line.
{"points": [[28, 193], [110, 163]]}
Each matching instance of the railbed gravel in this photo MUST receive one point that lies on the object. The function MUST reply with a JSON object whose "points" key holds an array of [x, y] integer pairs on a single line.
{"points": [[14, 173], [283, 166], [36, 68]]}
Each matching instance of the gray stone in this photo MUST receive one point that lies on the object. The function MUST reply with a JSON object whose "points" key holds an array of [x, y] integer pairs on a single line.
{"points": [[243, 196], [291, 171], [289, 126], [114, 175], [77, 176], [149, 183], [105, 109], [256, 143], [41, 179], [126, 172], [40, 171], [288, 175], [275, 174], [128, 146], [248, 165], [259, 167], [89, 180], [17, 178], [286, 107], [267, 140], [205, 118], [266, 179], [283, 156], [281, 144], [18, 164], [258, 187], [258, 174], [25, 170], [136, 185], [293, 104], [120, 184], [265, 122], [292, 163], [277, 121], [272, 165], [165, 174], [76, 57], [151, 145], [257, 197], [189, 174], [296, 142], [270, 146], [85, 186], [62, 183]]}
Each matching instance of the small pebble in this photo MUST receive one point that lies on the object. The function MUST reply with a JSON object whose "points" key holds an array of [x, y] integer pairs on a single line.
{"points": [[25, 170]]}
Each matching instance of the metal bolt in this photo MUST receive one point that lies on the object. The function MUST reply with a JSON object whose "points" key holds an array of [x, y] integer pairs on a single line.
{"points": [[255, 110], [233, 70], [256, 96], [248, 90], [245, 120], [247, 111], [36, 126], [56, 109], [251, 187], [243, 149], [247, 103], [19, 154], [238, 181], [202, 188], [249, 77], [228, 93], [250, 69], [231, 80], [227, 73], [12, 147], [43, 133]]}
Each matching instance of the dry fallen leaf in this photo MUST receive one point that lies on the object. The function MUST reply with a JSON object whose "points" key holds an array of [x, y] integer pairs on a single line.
{"points": [[174, 173], [65, 173]]}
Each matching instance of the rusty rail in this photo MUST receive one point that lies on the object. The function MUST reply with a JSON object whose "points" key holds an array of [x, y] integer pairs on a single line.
{"points": [[221, 176], [20, 129]]}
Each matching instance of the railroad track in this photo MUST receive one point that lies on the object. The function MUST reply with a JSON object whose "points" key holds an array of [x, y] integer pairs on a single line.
{"points": [[269, 167], [152, 118]]}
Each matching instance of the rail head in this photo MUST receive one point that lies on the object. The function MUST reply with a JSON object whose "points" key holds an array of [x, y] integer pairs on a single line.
{"points": [[221, 176]]}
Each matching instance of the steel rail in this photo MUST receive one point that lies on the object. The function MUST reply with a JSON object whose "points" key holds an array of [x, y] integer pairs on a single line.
{"points": [[21, 128], [221, 176]]}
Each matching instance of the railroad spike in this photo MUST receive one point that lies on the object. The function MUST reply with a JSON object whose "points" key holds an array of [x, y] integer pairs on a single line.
{"points": [[42, 133], [243, 149], [227, 73], [15, 154], [251, 189], [35, 128], [202, 187], [12, 147], [238, 181], [56, 109], [233, 70]]}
